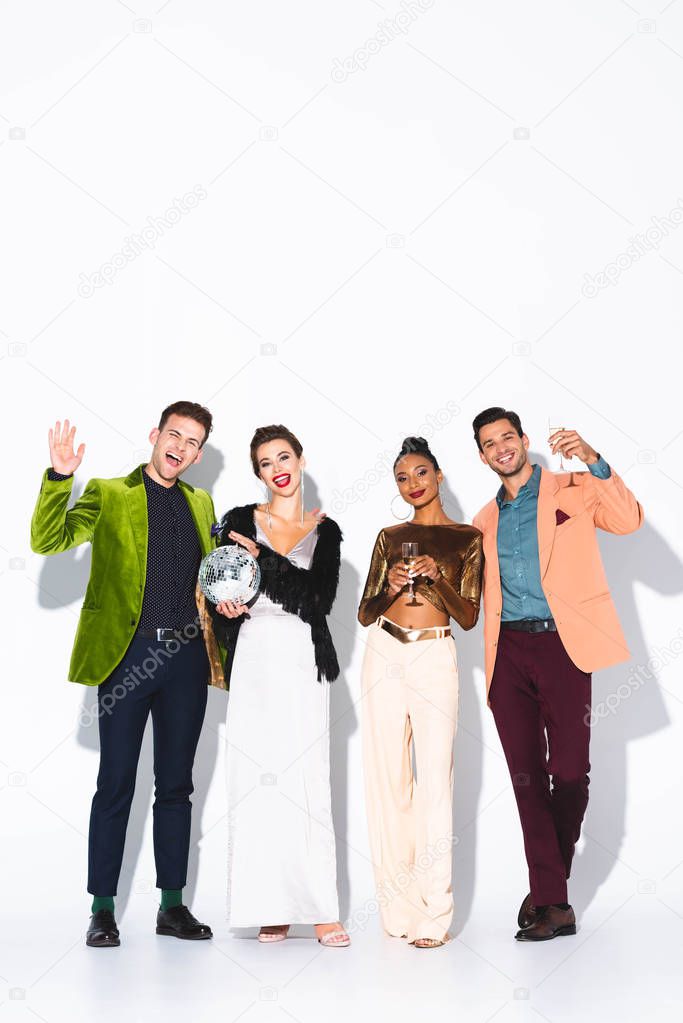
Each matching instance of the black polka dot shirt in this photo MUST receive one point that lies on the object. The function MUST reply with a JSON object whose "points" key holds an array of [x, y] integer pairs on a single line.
{"points": [[173, 556]]}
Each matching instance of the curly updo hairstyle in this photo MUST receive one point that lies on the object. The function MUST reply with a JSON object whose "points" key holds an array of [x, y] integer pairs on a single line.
{"points": [[264, 434], [416, 446]]}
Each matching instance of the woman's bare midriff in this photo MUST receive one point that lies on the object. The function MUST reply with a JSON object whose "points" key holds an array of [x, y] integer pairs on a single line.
{"points": [[424, 617]]}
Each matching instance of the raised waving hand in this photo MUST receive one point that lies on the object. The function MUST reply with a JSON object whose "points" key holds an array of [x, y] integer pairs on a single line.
{"points": [[64, 459]]}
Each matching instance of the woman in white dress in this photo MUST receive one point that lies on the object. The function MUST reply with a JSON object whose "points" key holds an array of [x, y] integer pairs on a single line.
{"points": [[281, 842]]}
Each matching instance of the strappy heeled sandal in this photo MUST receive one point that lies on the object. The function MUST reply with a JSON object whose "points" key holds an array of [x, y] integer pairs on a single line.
{"points": [[277, 932], [428, 943], [330, 941]]}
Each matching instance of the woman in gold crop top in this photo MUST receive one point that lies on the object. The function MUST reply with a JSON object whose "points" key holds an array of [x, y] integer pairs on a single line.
{"points": [[409, 683]]}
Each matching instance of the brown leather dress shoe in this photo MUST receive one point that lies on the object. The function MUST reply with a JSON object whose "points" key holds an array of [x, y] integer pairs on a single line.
{"points": [[527, 913], [551, 922]]}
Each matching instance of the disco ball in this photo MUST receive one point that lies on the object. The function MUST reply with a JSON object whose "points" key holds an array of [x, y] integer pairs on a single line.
{"points": [[229, 573]]}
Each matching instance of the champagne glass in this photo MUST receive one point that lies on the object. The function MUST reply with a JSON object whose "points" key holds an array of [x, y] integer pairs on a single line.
{"points": [[410, 552], [551, 430]]}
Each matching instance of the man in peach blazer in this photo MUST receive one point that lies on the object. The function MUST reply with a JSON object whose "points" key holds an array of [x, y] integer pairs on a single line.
{"points": [[549, 622]]}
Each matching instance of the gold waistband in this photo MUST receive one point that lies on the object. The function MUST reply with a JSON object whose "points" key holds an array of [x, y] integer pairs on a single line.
{"points": [[411, 635]]}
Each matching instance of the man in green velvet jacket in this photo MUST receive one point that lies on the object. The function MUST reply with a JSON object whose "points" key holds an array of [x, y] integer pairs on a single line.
{"points": [[143, 641]]}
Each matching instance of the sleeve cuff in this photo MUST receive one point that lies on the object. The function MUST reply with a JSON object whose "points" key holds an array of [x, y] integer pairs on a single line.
{"points": [[52, 474], [600, 469]]}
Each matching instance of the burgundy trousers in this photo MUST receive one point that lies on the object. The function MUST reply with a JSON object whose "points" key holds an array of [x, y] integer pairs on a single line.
{"points": [[541, 705]]}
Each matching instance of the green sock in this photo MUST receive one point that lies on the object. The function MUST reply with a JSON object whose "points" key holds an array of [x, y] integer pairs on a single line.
{"points": [[171, 897], [102, 902]]}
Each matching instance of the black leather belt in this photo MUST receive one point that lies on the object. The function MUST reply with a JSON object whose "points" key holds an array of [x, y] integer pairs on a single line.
{"points": [[531, 625], [161, 635]]}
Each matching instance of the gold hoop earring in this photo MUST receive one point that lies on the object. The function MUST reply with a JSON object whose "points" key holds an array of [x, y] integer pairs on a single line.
{"points": [[400, 518]]}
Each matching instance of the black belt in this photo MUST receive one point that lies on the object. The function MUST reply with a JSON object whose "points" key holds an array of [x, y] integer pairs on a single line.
{"points": [[162, 635], [531, 625]]}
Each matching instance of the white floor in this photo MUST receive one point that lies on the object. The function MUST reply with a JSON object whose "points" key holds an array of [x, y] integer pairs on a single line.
{"points": [[624, 964]]}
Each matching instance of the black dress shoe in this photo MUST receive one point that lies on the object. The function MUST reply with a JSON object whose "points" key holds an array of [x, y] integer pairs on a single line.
{"points": [[178, 922], [527, 913], [551, 922], [102, 930]]}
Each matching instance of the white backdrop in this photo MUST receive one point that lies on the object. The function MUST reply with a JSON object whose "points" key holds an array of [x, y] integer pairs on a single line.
{"points": [[361, 220]]}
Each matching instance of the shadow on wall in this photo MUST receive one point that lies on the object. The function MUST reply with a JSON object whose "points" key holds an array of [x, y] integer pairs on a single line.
{"points": [[344, 721], [469, 750], [627, 702]]}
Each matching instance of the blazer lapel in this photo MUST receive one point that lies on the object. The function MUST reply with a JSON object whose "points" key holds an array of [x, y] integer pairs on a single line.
{"points": [[136, 500], [490, 546], [546, 520]]}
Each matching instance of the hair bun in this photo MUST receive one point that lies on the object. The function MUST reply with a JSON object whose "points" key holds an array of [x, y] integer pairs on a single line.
{"points": [[414, 444]]}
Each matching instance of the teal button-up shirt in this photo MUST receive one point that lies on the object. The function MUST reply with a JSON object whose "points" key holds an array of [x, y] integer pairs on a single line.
{"points": [[520, 573]]}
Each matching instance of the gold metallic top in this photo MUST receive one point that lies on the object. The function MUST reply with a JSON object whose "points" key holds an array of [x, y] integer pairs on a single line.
{"points": [[457, 550]]}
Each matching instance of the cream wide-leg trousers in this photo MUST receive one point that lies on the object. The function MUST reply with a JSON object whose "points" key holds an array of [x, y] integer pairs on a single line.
{"points": [[410, 694]]}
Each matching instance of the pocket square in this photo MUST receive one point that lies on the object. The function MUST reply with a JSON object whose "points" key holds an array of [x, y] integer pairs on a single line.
{"points": [[561, 516]]}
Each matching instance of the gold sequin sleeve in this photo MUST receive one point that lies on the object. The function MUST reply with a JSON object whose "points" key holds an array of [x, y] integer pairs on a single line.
{"points": [[376, 597], [462, 603]]}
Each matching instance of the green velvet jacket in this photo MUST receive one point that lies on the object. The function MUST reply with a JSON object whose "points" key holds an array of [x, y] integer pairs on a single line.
{"points": [[111, 514]]}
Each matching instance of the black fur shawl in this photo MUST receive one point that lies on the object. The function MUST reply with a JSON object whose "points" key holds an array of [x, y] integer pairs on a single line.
{"points": [[309, 593]]}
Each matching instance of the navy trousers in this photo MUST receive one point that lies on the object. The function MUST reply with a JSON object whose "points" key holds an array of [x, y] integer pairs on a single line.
{"points": [[170, 682]]}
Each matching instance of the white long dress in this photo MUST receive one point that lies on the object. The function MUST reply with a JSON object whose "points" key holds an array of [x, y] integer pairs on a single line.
{"points": [[281, 843]]}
